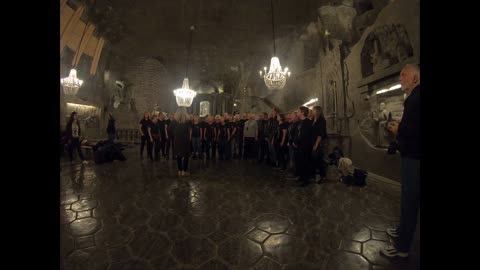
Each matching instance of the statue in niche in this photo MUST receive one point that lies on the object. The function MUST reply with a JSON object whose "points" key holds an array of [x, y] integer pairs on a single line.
{"points": [[116, 101], [381, 117], [131, 106]]}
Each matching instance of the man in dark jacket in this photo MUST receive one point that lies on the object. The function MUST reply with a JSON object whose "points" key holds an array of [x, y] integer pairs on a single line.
{"points": [[408, 136], [303, 144], [292, 135]]}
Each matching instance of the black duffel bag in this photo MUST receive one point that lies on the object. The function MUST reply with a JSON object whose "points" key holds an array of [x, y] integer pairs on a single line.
{"points": [[106, 151], [360, 177]]}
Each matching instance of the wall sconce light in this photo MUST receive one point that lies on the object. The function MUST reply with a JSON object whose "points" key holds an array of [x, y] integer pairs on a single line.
{"points": [[313, 100]]}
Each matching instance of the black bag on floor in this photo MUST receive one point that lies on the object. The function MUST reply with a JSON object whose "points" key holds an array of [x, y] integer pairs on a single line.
{"points": [[106, 151], [359, 177], [348, 180]]}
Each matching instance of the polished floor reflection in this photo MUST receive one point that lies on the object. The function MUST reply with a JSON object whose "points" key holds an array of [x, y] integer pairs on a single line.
{"points": [[227, 215]]}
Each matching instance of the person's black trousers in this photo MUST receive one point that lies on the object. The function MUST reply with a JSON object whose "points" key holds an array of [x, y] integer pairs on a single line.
{"points": [[142, 144], [249, 148], [303, 163], [282, 155], [207, 145], [318, 159], [163, 144], [222, 144], [262, 149], [182, 163], [240, 147], [214, 149], [228, 149], [75, 145], [156, 148], [409, 204], [170, 144], [150, 149]]}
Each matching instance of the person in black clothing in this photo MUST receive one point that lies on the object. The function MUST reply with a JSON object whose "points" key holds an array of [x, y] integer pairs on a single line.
{"points": [[303, 145], [223, 135], [162, 125], [111, 127], [196, 136], [208, 135], [183, 136], [144, 124], [281, 142], [272, 127], [170, 135], [228, 143], [408, 136], [262, 138], [292, 135], [319, 144], [240, 127], [155, 137], [203, 126], [72, 137], [215, 125], [234, 135]]}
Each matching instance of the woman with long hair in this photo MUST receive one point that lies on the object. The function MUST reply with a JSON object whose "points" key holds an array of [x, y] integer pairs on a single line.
{"points": [[144, 125], [182, 138], [72, 137], [319, 144]]}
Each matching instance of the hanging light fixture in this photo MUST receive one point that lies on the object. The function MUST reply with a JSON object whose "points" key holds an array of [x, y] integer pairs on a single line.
{"points": [[185, 95], [72, 83], [275, 78]]}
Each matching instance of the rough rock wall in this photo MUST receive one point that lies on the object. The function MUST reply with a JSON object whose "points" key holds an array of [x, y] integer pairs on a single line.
{"points": [[406, 14]]}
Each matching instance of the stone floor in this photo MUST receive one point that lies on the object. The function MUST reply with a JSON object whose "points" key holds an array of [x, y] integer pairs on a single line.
{"points": [[227, 215]]}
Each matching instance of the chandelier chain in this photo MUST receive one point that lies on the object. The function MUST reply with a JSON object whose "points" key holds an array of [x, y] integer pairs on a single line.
{"points": [[273, 28]]}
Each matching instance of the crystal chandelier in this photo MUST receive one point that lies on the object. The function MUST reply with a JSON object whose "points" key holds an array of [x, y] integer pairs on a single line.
{"points": [[185, 95], [275, 78], [71, 84]]}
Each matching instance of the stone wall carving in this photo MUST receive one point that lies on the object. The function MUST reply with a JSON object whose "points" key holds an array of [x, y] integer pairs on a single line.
{"points": [[385, 46], [331, 77], [337, 20], [147, 84]]}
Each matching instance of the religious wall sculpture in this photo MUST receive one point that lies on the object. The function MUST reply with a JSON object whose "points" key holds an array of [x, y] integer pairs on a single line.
{"points": [[385, 46]]}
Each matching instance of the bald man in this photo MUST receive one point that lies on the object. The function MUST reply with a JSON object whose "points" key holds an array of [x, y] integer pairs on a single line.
{"points": [[408, 135]]}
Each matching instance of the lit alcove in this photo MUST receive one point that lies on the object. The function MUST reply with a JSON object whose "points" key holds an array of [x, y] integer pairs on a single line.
{"points": [[204, 108]]}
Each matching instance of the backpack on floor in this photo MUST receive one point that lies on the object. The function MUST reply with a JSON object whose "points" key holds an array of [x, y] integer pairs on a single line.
{"points": [[360, 177]]}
